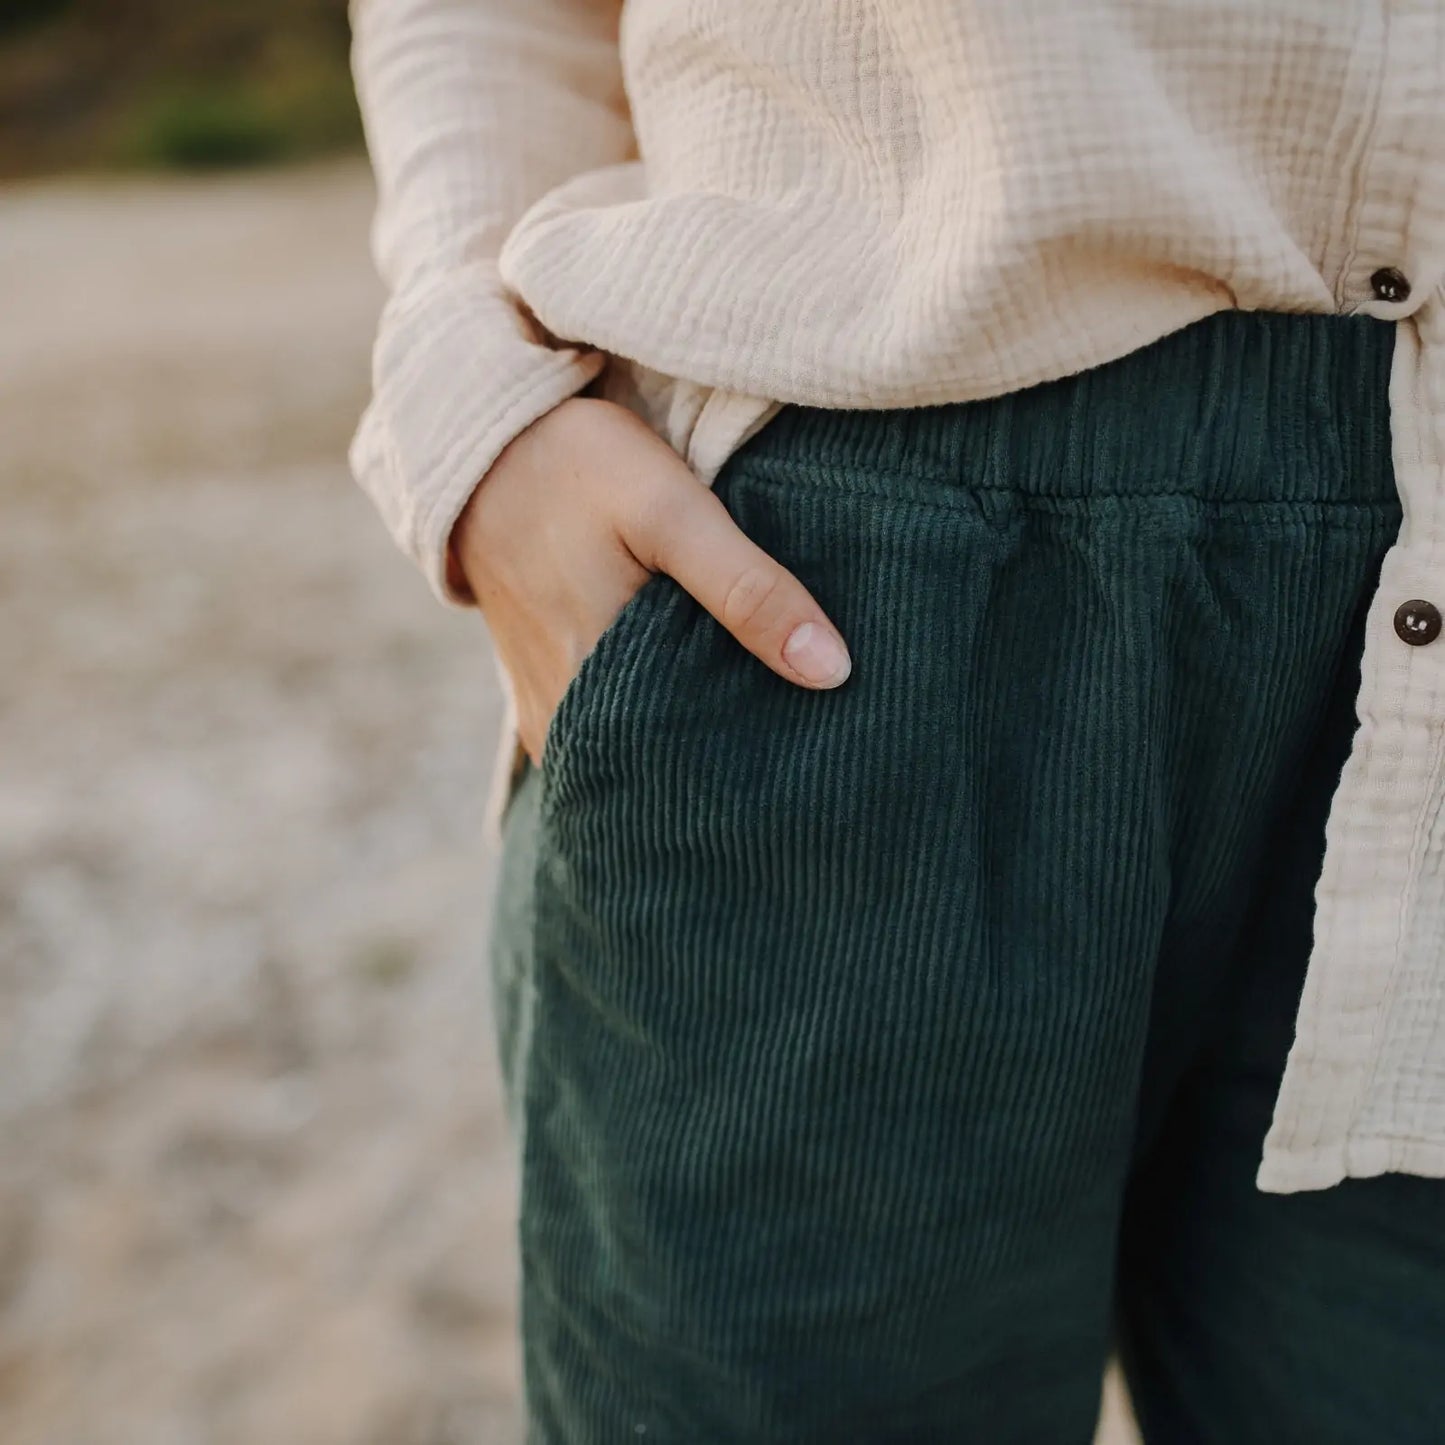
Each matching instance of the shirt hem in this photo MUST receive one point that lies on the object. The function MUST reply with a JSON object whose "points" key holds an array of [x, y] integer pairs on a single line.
{"points": [[1283, 1171]]}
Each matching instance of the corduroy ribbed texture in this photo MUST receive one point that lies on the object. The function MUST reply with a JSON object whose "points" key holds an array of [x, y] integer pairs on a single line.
{"points": [[840, 1026]]}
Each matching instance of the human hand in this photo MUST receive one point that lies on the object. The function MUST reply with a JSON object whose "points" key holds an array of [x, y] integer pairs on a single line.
{"points": [[568, 524]]}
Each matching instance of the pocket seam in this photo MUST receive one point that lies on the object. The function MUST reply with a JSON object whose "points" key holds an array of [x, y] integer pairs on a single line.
{"points": [[595, 658]]}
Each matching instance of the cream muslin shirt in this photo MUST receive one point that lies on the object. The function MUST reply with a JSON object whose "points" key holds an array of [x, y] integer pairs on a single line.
{"points": [[891, 203]]}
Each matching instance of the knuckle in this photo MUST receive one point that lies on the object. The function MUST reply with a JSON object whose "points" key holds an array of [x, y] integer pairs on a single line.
{"points": [[750, 598], [656, 515]]}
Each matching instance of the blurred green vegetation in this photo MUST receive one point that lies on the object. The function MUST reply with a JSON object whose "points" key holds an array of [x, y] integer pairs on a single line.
{"points": [[98, 84]]}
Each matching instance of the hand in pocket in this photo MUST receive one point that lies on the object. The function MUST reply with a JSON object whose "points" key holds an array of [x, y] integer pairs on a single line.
{"points": [[571, 520]]}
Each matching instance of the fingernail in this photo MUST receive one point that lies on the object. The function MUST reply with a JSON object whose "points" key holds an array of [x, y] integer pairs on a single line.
{"points": [[817, 655]]}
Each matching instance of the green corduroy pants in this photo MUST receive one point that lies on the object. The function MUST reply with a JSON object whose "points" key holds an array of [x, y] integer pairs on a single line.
{"points": [[882, 1059]]}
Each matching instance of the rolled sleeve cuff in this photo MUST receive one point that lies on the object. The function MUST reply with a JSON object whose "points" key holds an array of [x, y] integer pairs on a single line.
{"points": [[458, 373]]}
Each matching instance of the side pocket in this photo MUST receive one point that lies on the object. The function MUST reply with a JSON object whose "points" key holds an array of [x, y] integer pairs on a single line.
{"points": [[609, 649]]}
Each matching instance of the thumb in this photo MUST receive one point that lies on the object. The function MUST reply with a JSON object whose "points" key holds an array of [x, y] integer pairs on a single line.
{"points": [[755, 598]]}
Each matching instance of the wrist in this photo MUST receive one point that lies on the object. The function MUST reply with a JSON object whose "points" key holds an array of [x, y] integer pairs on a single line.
{"points": [[457, 584], [457, 581]]}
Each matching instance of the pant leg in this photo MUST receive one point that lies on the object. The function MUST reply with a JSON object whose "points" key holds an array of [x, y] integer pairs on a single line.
{"points": [[1307, 1319], [823, 1130]]}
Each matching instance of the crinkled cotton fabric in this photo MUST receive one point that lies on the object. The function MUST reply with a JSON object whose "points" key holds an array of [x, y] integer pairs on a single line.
{"points": [[706, 210]]}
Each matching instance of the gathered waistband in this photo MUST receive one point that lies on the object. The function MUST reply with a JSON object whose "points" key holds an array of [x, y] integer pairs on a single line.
{"points": [[1241, 406]]}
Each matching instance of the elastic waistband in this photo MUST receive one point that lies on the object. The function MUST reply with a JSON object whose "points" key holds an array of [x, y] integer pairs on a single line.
{"points": [[1241, 406]]}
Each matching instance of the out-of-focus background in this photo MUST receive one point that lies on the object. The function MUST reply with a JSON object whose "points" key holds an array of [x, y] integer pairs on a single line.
{"points": [[253, 1181], [254, 1184]]}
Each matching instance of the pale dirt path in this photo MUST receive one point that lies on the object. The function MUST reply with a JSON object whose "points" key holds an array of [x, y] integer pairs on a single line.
{"points": [[253, 1184]]}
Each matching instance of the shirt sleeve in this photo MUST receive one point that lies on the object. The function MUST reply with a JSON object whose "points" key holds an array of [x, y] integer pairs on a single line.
{"points": [[473, 109]]}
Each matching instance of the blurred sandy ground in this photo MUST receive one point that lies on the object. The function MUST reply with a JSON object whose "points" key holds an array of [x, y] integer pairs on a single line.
{"points": [[254, 1185]]}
